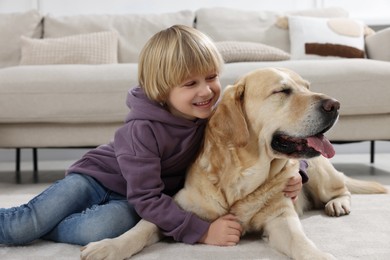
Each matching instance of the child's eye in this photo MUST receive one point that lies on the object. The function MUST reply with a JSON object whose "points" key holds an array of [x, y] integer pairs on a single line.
{"points": [[190, 83], [212, 77]]}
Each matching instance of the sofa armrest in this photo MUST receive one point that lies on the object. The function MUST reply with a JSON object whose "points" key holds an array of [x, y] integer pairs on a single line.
{"points": [[377, 45]]}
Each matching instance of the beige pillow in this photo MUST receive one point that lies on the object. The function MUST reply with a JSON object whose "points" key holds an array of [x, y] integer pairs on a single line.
{"points": [[12, 26], [92, 48], [234, 51]]}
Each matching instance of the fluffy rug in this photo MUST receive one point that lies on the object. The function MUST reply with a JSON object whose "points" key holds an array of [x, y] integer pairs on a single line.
{"points": [[364, 234]]}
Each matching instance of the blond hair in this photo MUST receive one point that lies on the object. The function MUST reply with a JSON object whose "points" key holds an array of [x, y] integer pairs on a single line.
{"points": [[171, 56]]}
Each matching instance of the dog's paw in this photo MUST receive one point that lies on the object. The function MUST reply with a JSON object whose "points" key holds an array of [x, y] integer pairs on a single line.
{"points": [[104, 249], [338, 207]]}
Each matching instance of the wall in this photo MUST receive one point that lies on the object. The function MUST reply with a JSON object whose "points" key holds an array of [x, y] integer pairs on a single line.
{"points": [[147, 6], [7, 6], [373, 12], [152, 6]]}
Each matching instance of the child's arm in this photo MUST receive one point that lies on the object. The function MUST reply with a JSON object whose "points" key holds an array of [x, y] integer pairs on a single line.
{"points": [[224, 231]]}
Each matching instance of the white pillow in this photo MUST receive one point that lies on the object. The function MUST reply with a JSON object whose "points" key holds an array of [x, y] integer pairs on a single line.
{"points": [[92, 48], [314, 38], [235, 51]]}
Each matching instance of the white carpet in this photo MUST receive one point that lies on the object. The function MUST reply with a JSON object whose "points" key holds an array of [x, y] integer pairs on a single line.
{"points": [[364, 234]]}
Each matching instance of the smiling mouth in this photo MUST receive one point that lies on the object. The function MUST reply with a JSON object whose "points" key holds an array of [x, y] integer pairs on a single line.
{"points": [[203, 103]]}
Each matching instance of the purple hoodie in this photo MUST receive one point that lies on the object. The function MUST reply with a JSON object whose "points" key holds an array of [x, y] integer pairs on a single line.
{"points": [[147, 161]]}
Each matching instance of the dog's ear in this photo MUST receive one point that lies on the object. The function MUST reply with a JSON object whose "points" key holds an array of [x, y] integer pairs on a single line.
{"points": [[228, 122], [306, 84]]}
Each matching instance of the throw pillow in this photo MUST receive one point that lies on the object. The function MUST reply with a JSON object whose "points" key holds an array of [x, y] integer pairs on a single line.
{"points": [[234, 51], [92, 48], [325, 38]]}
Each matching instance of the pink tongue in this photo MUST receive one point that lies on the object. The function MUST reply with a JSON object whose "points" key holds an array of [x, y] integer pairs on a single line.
{"points": [[321, 144]]}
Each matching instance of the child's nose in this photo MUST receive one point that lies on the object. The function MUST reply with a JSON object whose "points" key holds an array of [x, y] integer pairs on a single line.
{"points": [[205, 89]]}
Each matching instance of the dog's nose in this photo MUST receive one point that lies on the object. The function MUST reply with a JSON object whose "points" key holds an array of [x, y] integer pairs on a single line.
{"points": [[330, 105]]}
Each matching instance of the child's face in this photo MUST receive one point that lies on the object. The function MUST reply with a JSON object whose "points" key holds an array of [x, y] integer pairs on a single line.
{"points": [[195, 97]]}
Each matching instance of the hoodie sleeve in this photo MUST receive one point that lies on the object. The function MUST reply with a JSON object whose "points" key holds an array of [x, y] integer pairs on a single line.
{"points": [[303, 171], [140, 164]]}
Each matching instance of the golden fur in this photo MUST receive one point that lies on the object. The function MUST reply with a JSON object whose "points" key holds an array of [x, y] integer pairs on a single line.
{"points": [[241, 169]]}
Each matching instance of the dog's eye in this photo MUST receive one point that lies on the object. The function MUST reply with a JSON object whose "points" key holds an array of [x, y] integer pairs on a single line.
{"points": [[286, 91]]}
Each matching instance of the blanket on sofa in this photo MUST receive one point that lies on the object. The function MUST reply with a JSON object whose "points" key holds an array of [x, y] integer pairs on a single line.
{"points": [[364, 234]]}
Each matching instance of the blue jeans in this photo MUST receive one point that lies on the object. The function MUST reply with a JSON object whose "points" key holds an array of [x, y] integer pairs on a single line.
{"points": [[75, 210]]}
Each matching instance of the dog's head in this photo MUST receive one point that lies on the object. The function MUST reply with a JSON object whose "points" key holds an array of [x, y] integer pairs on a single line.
{"points": [[277, 108]]}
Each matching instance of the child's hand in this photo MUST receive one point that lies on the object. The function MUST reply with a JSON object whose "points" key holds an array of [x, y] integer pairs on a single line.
{"points": [[224, 231], [293, 187]]}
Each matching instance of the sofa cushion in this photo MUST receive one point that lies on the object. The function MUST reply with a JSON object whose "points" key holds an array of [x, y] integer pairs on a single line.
{"points": [[12, 26], [65, 93], [91, 48], [234, 51], [227, 24], [134, 29], [313, 38]]}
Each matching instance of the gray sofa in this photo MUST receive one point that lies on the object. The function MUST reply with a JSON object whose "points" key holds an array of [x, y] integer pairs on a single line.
{"points": [[82, 102]]}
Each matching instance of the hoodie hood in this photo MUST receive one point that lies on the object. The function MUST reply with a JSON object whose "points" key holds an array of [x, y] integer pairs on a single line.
{"points": [[141, 107]]}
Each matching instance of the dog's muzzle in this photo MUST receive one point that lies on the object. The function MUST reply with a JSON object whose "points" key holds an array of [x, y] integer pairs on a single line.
{"points": [[312, 144]]}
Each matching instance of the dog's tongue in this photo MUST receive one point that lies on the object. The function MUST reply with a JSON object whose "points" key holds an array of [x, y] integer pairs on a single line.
{"points": [[321, 144]]}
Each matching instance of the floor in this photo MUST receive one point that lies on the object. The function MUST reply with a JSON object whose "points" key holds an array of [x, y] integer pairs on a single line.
{"points": [[359, 166], [354, 165]]}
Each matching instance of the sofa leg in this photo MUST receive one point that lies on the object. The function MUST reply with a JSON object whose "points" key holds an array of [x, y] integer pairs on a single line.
{"points": [[372, 151], [35, 164], [17, 166]]}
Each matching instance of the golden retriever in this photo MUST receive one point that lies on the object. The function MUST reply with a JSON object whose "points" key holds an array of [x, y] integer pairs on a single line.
{"points": [[264, 123]]}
